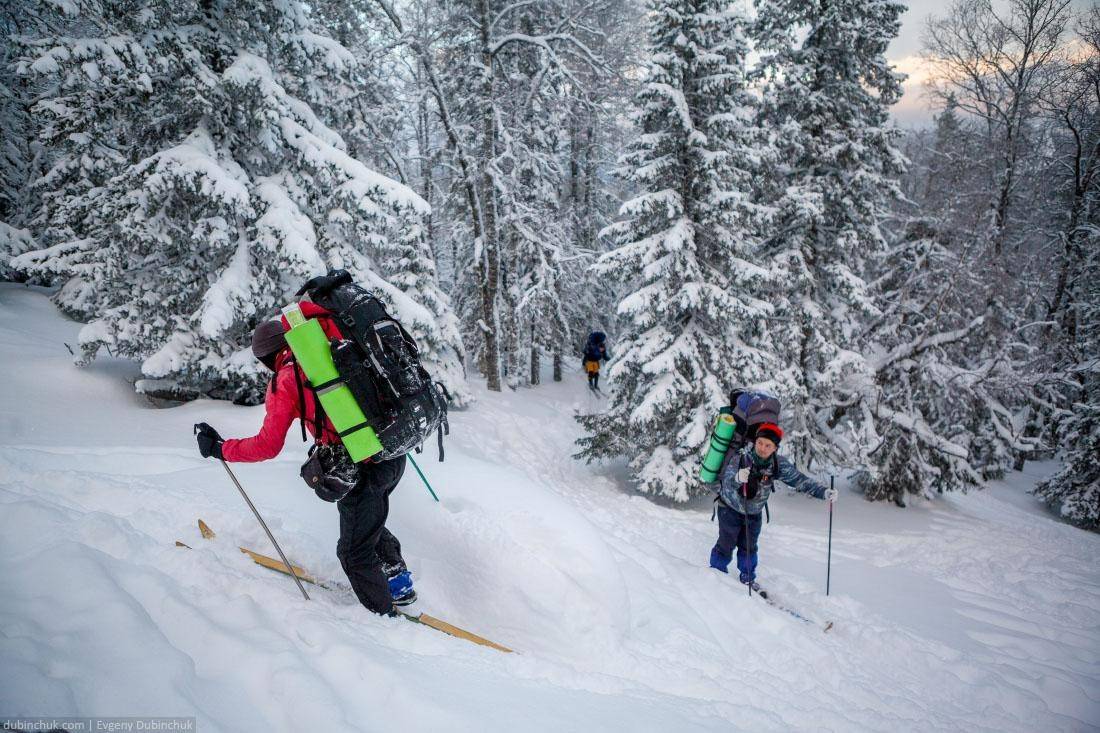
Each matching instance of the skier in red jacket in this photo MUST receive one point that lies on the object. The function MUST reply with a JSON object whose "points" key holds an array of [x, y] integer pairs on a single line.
{"points": [[368, 552]]}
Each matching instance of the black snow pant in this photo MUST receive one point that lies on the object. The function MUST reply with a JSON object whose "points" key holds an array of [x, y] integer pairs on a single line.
{"points": [[366, 548]]}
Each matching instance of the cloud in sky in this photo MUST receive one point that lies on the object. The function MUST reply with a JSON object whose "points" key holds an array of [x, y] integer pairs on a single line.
{"points": [[904, 54], [913, 109]]}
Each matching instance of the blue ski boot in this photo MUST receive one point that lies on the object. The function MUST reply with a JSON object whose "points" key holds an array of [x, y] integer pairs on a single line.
{"points": [[401, 588]]}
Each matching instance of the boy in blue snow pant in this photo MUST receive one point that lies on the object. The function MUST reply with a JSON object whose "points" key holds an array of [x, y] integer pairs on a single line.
{"points": [[747, 481], [741, 531]]}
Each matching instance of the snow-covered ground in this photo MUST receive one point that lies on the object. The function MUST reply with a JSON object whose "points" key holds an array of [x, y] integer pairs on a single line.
{"points": [[974, 612]]}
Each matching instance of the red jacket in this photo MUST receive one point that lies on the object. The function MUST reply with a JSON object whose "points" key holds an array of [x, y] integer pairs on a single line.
{"points": [[284, 406]]}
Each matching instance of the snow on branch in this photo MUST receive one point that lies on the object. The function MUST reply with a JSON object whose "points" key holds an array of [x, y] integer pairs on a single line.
{"points": [[906, 351]]}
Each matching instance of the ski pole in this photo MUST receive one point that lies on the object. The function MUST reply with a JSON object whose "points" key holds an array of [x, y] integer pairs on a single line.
{"points": [[264, 525], [748, 558], [829, 562], [422, 478], [745, 529]]}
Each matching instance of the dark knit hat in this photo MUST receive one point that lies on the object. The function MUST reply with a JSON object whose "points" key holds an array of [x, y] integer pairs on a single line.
{"points": [[771, 431], [268, 339]]}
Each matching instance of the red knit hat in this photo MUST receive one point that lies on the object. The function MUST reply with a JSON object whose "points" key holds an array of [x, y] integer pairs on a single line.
{"points": [[771, 431]]}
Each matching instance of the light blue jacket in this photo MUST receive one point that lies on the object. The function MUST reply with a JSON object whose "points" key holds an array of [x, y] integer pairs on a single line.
{"points": [[730, 490]]}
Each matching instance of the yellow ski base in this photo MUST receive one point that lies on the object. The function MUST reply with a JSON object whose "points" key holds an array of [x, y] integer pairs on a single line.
{"points": [[452, 630], [272, 563], [423, 618]]}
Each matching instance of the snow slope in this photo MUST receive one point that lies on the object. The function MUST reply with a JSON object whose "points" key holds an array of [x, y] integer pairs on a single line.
{"points": [[974, 612]]}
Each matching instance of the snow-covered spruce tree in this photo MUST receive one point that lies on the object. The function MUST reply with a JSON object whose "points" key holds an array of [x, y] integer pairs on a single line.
{"points": [[598, 133], [193, 193], [917, 415], [1075, 490], [529, 177], [467, 60], [954, 192], [15, 122], [827, 89], [412, 288], [22, 158], [934, 414], [363, 105], [17, 159], [694, 324]]}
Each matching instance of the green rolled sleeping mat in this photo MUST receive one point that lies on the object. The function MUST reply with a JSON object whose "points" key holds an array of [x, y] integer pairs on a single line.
{"points": [[720, 439], [311, 349]]}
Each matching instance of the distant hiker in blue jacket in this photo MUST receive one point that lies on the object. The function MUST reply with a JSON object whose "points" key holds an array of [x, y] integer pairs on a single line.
{"points": [[746, 480], [595, 351]]}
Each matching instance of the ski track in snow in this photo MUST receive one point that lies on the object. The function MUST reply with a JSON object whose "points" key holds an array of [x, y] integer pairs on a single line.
{"points": [[974, 612]]}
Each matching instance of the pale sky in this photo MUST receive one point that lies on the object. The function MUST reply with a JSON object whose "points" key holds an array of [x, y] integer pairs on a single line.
{"points": [[904, 52], [912, 110]]}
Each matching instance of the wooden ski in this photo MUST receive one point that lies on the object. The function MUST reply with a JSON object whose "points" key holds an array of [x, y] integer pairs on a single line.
{"points": [[420, 618]]}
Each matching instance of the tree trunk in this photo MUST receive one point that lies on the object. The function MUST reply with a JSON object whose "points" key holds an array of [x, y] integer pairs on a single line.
{"points": [[1004, 199], [427, 183], [535, 365], [588, 229], [557, 366], [489, 261]]}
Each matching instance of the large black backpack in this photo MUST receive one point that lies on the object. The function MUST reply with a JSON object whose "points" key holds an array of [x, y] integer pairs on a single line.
{"points": [[379, 362]]}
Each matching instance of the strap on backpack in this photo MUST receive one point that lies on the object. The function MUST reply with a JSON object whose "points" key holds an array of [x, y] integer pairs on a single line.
{"points": [[775, 475], [301, 399], [318, 416], [318, 408], [444, 424]]}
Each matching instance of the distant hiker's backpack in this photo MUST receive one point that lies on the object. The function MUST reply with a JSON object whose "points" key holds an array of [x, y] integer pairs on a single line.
{"points": [[594, 347], [751, 408], [379, 362]]}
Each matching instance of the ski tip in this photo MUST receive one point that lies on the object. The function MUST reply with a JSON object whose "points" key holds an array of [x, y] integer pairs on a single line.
{"points": [[181, 544], [205, 531], [828, 625]]}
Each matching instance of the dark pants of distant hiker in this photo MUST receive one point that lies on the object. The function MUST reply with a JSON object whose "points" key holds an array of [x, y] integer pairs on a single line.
{"points": [[593, 368], [736, 530], [366, 546]]}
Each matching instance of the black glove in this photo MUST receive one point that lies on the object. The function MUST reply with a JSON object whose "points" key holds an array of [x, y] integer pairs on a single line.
{"points": [[210, 443]]}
